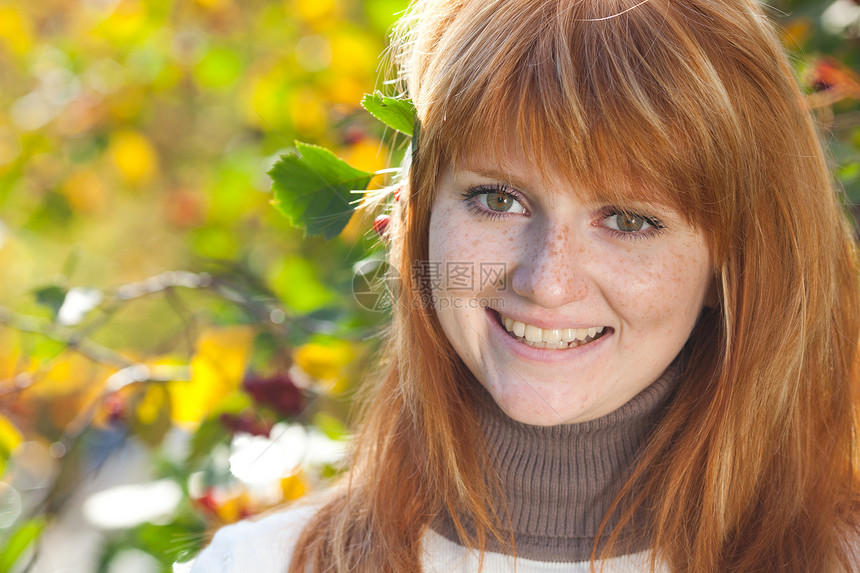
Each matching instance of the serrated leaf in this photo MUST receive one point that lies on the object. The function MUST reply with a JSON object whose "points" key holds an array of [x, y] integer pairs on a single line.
{"points": [[19, 542], [396, 113], [313, 189]]}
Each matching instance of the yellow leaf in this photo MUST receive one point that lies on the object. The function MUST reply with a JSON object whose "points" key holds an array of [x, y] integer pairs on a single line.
{"points": [[213, 4], [10, 437], [308, 113], [85, 191], [357, 227], [10, 354], [263, 100], [153, 401], [344, 90], [125, 24], [64, 392], [71, 374], [325, 362], [234, 508], [134, 157], [217, 369], [313, 10], [369, 154], [16, 30], [294, 486], [353, 53]]}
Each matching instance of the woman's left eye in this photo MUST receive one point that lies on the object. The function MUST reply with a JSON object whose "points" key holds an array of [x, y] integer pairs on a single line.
{"points": [[629, 223], [495, 200]]}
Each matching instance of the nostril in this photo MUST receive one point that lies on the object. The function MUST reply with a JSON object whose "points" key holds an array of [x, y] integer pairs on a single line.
{"points": [[547, 285]]}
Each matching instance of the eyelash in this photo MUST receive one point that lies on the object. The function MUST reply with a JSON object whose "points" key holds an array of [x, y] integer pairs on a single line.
{"points": [[656, 225], [471, 194]]}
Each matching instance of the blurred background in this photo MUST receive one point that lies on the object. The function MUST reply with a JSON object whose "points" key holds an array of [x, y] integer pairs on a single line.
{"points": [[173, 355]]}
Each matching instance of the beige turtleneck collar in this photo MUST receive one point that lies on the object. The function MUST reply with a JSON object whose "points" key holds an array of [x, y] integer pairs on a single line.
{"points": [[559, 481]]}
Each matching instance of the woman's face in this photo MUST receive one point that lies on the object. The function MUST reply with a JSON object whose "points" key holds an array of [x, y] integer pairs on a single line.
{"points": [[562, 309]]}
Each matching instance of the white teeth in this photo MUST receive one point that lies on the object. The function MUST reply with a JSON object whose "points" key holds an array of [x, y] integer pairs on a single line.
{"points": [[533, 333], [550, 338], [518, 328]]}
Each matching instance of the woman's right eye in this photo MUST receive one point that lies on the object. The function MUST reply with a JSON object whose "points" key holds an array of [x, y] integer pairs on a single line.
{"points": [[494, 201]]}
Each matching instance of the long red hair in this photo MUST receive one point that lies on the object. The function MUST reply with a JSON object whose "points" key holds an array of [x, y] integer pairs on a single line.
{"points": [[755, 464]]}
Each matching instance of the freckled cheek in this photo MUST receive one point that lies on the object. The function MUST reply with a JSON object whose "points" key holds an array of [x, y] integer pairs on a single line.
{"points": [[462, 240], [655, 290]]}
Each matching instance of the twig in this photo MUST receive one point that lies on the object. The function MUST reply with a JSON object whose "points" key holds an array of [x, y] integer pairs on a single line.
{"points": [[71, 338]]}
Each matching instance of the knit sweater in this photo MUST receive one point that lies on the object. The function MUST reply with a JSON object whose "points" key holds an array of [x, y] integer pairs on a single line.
{"points": [[558, 482]]}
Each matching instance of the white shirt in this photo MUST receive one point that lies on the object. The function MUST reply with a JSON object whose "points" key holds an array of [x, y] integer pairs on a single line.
{"points": [[266, 546]]}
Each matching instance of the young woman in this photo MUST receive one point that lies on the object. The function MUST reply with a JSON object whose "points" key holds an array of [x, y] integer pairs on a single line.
{"points": [[654, 365]]}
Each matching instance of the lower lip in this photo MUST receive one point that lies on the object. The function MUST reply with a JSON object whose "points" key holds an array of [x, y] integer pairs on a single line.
{"points": [[543, 354]]}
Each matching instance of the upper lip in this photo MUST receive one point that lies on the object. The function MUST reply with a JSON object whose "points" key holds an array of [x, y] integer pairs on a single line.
{"points": [[547, 325]]}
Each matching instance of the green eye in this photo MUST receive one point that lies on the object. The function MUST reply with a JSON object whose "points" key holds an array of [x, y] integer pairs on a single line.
{"points": [[494, 201], [629, 223], [500, 202]]}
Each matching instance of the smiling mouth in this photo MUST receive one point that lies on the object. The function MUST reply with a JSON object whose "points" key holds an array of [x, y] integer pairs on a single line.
{"points": [[556, 338]]}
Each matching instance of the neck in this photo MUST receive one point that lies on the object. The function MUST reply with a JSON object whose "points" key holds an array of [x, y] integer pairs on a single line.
{"points": [[560, 481]]}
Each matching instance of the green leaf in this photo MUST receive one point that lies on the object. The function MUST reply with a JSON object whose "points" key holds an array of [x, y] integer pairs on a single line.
{"points": [[51, 296], [20, 541], [297, 282], [313, 189], [330, 426], [151, 414], [170, 542], [211, 432], [396, 113], [219, 68], [208, 434]]}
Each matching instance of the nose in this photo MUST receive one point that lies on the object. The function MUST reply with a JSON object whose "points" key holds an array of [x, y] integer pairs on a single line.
{"points": [[551, 268]]}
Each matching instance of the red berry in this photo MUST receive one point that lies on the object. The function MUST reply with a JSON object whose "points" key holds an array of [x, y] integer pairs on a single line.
{"points": [[207, 500], [380, 224], [248, 423], [397, 192], [278, 392], [353, 134], [115, 406]]}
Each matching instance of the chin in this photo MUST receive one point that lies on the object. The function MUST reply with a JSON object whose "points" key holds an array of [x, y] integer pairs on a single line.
{"points": [[530, 405]]}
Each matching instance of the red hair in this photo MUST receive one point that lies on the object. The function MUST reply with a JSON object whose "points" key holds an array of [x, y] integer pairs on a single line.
{"points": [[755, 465]]}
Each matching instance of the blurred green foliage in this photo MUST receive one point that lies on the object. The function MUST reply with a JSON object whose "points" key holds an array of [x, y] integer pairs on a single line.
{"points": [[152, 298]]}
